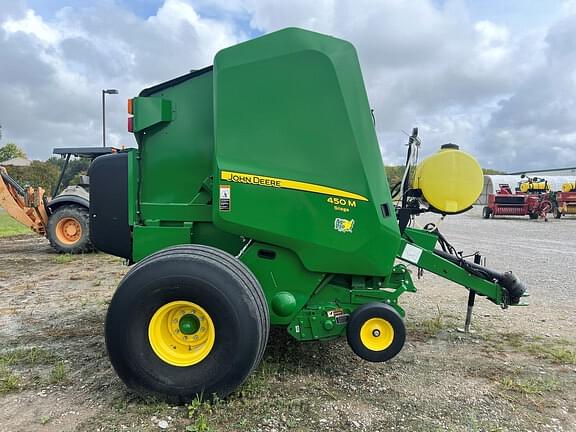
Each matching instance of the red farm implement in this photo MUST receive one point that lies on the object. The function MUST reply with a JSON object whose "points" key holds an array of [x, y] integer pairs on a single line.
{"points": [[531, 199], [565, 201]]}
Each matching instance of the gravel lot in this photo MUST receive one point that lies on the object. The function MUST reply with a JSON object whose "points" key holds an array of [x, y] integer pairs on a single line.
{"points": [[517, 372], [542, 254]]}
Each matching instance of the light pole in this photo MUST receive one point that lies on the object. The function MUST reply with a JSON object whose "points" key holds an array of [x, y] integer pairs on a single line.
{"points": [[104, 93]]}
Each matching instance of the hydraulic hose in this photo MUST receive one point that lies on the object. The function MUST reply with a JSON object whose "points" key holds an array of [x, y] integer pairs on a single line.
{"points": [[507, 280]]}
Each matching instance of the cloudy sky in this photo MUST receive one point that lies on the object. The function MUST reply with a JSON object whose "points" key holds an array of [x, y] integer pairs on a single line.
{"points": [[497, 77]]}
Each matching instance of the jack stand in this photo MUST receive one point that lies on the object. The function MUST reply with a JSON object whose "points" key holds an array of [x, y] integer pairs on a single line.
{"points": [[471, 299]]}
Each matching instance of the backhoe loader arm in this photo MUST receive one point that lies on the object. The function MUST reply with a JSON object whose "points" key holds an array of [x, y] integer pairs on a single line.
{"points": [[24, 205]]}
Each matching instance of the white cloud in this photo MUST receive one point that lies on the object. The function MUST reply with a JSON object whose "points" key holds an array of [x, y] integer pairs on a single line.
{"points": [[34, 25], [485, 85], [53, 71]]}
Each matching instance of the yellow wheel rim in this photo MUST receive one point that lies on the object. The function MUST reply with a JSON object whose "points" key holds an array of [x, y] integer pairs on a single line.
{"points": [[68, 231], [181, 333], [377, 334]]}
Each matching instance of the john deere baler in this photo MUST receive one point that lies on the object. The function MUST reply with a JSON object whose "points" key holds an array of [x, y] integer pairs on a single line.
{"points": [[257, 197]]}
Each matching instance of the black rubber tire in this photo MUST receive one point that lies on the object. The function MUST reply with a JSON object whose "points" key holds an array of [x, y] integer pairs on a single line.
{"points": [[79, 213], [486, 212], [217, 282], [533, 215], [375, 310]]}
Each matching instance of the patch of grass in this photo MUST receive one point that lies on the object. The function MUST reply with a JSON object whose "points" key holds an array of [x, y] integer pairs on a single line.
{"points": [[257, 381], [10, 227], [58, 373], [430, 327], [27, 357], [120, 405], [558, 351], [151, 406], [199, 425], [63, 258], [555, 353], [529, 385], [198, 411], [8, 381]]}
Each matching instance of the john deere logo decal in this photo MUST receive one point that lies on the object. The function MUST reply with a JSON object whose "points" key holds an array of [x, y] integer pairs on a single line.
{"points": [[343, 225]]}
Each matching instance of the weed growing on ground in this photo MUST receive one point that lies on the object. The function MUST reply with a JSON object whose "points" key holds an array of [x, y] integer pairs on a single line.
{"points": [[529, 385], [430, 327], [63, 258], [558, 351], [198, 411], [8, 381], [257, 381], [554, 353], [28, 357], [58, 373]]}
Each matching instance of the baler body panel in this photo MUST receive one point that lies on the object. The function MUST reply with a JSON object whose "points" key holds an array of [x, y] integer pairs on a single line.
{"points": [[171, 177], [297, 160], [176, 156]]}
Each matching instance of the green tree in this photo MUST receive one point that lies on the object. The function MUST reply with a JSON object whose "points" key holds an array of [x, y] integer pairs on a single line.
{"points": [[39, 173], [490, 171], [76, 168], [394, 174], [10, 151]]}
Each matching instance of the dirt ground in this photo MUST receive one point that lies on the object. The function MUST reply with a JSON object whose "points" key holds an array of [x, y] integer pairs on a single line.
{"points": [[516, 372]]}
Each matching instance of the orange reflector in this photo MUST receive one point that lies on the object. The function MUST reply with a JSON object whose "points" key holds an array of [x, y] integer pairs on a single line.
{"points": [[130, 124], [130, 106]]}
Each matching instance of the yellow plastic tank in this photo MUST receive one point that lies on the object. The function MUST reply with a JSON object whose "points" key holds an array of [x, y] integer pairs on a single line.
{"points": [[568, 187], [534, 186], [450, 180]]}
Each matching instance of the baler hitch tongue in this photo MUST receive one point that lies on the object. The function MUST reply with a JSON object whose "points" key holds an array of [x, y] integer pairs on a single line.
{"points": [[514, 288]]}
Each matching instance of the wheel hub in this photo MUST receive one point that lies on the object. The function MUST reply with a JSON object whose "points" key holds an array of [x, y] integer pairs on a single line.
{"points": [[68, 231], [377, 334], [189, 324], [181, 333]]}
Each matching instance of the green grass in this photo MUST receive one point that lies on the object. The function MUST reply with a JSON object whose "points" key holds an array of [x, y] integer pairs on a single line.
{"points": [[198, 412], [558, 351], [64, 258], [58, 373], [430, 327], [27, 357], [10, 227], [8, 381], [529, 385]]}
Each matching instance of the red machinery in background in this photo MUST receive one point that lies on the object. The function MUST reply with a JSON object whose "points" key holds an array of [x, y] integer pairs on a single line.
{"points": [[565, 201], [531, 198]]}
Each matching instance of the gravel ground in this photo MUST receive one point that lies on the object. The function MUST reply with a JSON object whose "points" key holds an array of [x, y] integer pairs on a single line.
{"points": [[517, 372], [542, 254]]}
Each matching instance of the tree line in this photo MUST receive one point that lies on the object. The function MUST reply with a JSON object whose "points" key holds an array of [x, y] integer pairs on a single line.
{"points": [[43, 173]]}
